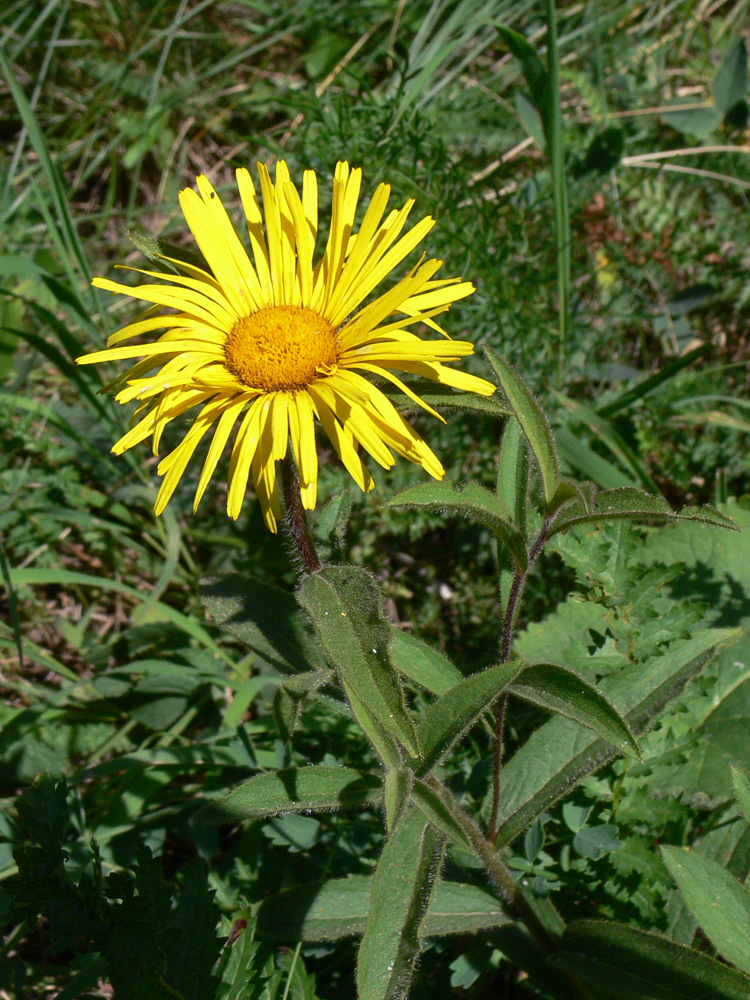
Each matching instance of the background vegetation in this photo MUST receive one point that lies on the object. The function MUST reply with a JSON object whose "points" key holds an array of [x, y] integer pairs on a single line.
{"points": [[112, 675]]}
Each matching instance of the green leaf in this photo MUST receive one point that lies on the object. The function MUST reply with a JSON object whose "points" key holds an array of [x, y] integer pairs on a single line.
{"points": [[513, 475], [328, 911], [741, 785], [235, 968], [438, 813], [296, 789], [446, 721], [474, 501], [197, 947], [345, 605], [567, 693], [631, 504], [533, 422], [533, 69], [265, 618], [445, 397], [383, 742], [422, 664], [730, 84], [699, 121], [560, 752], [719, 903], [634, 965], [396, 794], [399, 895], [330, 526], [291, 696]]}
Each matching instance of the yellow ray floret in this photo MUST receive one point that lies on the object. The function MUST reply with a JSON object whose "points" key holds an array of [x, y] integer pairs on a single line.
{"points": [[266, 347]]}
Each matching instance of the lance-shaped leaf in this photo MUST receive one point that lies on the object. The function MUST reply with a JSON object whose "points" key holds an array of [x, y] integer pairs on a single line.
{"points": [[265, 618], [561, 752], [719, 903], [632, 504], [533, 422], [443, 396], [383, 742], [439, 814], [513, 475], [399, 895], [566, 693], [396, 794], [533, 69], [446, 721], [345, 605], [296, 789], [741, 785], [428, 667], [327, 911], [291, 696], [635, 965], [473, 501]]}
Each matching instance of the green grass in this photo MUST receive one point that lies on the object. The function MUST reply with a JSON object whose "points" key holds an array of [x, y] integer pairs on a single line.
{"points": [[594, 272]]}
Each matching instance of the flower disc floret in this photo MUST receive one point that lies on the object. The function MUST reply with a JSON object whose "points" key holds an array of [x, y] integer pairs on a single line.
{"points": [[265, 348], [281, 348]]}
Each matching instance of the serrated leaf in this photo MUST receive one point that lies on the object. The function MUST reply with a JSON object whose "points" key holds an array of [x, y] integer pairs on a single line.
{"points": [[197, 946], [296, 789], [235, 968], [473, 500], [719, 903], [422, 664], [446, 721], [730, 84], [399, 896], [635, 965], [328, 911], [533, 422], [561, 752], [741, 785], [345, 605], [265, 618], [566, 693]]}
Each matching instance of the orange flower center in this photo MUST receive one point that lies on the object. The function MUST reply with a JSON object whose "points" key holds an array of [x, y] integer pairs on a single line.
{"points": [[280, 347]]}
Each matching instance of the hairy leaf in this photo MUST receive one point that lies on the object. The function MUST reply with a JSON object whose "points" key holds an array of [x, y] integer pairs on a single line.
{"points": [[346, 608], [473, 500], [533, 422], [399, 895], [445, 722], [719, 903], [296, 789], [566, 693], [634, 965]]}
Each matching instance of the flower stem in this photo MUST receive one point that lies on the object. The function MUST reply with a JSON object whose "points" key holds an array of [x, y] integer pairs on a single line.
{"points": [[295, 518], [511, 614]]}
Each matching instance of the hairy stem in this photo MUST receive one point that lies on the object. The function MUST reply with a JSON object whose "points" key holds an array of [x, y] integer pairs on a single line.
{"points": [[511, 615], [498, 871], [295, 518]]}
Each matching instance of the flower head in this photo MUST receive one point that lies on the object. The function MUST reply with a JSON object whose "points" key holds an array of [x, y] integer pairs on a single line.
{"points": [[272, 346]]}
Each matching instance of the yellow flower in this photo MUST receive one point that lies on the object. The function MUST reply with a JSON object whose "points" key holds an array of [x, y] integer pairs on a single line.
{"points": [[277, 344]]}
